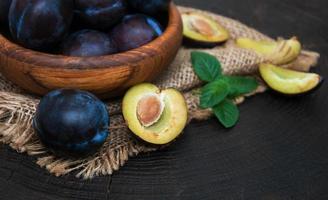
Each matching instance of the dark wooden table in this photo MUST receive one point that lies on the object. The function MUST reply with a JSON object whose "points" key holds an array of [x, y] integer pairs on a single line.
{"points": [[278, 151]]}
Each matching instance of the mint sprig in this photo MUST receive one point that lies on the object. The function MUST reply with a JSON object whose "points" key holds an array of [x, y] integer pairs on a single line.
{"points": [[206, 66], [219, 91], [240, 85], [227, 113], [213, 93]]}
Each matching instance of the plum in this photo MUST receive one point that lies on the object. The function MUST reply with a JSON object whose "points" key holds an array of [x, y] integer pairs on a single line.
{"points": [[289, 82], [100, 14], [86, 43], [200, 30], [153, 115], [135, 31], [40, 24], [276, 52], [4, 10], [71, 122], [150, 7]]}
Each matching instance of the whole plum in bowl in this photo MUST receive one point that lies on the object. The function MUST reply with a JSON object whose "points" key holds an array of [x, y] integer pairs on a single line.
{"points": [[40, 24], [134, 31], [4, 10], [45, 63], [100, 14], [87, 43]]}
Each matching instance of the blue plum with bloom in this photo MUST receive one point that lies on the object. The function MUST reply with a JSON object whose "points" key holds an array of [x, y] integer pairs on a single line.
{"points": [[86, 43], [71, 122], [40, 24], [150, 7], [4, 10], [100, 14], [134, 31]]}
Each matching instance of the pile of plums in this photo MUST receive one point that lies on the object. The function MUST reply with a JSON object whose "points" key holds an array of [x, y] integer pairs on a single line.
{"points": [[83, 27]]}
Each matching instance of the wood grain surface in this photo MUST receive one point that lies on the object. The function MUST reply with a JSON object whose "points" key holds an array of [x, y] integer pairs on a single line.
{"points": [[105, 76], [278, 150]]}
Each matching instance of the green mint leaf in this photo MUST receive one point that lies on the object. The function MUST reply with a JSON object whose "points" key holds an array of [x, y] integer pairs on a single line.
{"points": [[239, 85], [213, 93], [227, 113], [206, 66]]}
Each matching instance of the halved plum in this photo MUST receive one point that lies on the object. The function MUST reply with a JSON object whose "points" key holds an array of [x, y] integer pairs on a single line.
{"points": [[288, 81], [203, 31], [276, 52], [153, 115]]}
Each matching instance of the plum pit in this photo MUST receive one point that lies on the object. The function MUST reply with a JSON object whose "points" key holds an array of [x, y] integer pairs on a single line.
{"points": [[150, 109]]}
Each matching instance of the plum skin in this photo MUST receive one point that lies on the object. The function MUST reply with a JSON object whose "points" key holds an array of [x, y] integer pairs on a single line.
{"points": [[86, 43], [4, 10], [100, 14], [134, 31], [40, 24], [71, 122], [150, 7]]}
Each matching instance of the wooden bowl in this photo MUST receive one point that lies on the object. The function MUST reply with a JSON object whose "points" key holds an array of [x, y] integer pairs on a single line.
{"points": [[105, 76]]}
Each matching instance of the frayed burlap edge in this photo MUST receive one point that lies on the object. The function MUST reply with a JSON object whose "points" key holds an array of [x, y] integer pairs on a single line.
{"points": [[17, 108]]}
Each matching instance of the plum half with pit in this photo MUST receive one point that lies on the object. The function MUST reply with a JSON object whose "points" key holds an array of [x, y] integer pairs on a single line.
{"points": [[153, 115], [134, 31], [200, 30], [4, 10], [71, 122], [86, 43], [150, 7], [40, 24], [100, 14]]}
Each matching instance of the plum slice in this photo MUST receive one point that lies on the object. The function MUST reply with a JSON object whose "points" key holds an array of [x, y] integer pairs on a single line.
{"points": [[277, 52], [287, 81], [153, 115], [201, 30]]}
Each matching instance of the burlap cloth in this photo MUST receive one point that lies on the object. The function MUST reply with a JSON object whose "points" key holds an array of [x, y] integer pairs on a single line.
{"points": [[17, 108]]}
